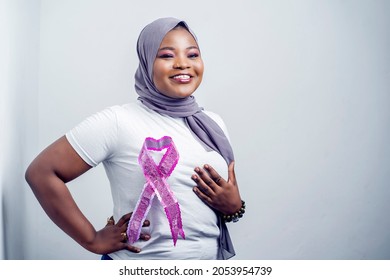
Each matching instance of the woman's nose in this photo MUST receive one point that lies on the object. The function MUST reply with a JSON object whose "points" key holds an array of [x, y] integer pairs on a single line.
{"points": [[180, 63]]}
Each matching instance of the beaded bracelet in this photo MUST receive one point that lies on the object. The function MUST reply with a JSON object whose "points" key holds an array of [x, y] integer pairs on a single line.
{"points": [[236, 216]]}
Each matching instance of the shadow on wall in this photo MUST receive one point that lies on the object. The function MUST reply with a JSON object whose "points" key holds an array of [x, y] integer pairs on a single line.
{"points": [[19, 56]]}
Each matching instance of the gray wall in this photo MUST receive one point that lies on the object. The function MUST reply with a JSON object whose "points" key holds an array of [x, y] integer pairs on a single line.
{"points": [[303, 86], [19, 66]]}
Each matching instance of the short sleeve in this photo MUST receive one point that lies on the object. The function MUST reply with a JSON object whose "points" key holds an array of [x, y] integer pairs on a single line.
{"points": [[94, 138]]}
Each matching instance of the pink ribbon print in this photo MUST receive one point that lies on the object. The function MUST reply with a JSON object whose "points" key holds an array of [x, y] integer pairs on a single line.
{"points": [[156, 184]]}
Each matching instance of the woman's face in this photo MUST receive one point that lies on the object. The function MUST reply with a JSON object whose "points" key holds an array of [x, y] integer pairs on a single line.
{"points": [[178, 67]]}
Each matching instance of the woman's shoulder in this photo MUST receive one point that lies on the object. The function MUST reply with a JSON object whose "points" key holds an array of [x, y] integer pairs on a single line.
{"points": [[135, 107], [216, 117], [126, 109]]}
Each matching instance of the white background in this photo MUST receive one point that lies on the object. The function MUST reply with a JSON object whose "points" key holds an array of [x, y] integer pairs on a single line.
{"points": [[303, 86]]}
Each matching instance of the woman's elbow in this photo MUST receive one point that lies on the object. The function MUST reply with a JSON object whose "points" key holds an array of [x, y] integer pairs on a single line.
{"points": [[30, 174], [35, 173]]}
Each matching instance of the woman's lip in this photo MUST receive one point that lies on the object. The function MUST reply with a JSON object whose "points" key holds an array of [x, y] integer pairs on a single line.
{"points": [[181, 75], [181, 78]]}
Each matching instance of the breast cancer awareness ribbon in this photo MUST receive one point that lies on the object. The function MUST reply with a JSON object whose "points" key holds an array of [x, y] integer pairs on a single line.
{"points": [[156, 184]]}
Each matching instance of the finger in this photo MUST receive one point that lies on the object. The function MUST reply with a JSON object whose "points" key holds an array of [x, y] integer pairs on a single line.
{"points": [[144, 236], [124, 219], [231, 173], [110, 221], [146, 223], [202, 186], [132, 248], [123, 228], [202, 196], [205, 182], [214, 174]]}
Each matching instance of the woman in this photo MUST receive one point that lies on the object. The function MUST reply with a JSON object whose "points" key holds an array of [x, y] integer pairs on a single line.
{"points": [[193, 198]]}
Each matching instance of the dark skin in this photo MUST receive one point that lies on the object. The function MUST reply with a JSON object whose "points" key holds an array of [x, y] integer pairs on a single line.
{"points": [[47, 176], [215, 191], [59, 163]]}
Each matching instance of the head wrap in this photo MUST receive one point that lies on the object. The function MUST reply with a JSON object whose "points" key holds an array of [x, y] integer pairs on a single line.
{"points": [[205, 128]]}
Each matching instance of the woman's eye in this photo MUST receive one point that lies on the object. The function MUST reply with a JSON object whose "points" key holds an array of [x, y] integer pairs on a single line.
{"points": [[193, 55], [165, 55]]}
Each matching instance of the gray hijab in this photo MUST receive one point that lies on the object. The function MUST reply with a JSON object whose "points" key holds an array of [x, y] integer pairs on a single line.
{"points": [[205, 128]]}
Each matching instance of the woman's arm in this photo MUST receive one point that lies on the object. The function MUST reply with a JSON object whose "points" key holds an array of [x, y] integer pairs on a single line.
{"points": [[47, 176]]}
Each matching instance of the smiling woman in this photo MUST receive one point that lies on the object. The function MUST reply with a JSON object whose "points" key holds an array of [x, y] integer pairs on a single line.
{"points": [[191, 191], [178, 68]]}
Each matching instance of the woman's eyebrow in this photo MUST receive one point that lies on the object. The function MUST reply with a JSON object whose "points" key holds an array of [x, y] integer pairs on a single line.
{"points": [[172, 48], [193, 47], [167, 48]]}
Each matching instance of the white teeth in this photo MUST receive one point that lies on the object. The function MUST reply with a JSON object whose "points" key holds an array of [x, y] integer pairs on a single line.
{"points": [[182, 77]]}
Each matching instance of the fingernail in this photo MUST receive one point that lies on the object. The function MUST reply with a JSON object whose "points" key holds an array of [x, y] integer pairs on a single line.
{"points": [[197, 169], [206, 166]]}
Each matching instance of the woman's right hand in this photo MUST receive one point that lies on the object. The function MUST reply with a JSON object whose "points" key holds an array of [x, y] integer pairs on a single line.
{"points": [[113, 237]]}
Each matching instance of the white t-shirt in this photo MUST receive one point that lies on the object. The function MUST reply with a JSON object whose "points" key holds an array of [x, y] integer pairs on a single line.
{"points": [[115, 136]]}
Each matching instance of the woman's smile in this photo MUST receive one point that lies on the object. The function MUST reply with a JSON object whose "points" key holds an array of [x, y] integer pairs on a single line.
{"points": [[178, 67], [182, 78]]}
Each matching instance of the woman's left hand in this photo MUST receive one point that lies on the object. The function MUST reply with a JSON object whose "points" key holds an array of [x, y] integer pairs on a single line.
{"points": [[215, 191]]}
